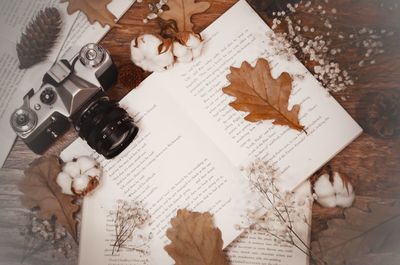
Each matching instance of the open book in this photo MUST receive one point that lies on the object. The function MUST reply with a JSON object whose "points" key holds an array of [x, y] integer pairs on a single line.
{"points": [[192, 144]]}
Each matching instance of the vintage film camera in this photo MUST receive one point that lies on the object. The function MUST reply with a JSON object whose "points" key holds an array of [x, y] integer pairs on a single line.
{"points": [[74, 92]]}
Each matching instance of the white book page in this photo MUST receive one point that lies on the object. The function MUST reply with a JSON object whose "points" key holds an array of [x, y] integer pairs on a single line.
{"points": [[258, 247], [241, 35], [170, 165]]}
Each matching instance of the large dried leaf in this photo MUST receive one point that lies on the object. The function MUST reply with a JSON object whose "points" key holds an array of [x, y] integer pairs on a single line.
{"points": [[363, 237], [266, 98], [95, 10], [182, 11], [40, 189], [194, 240]]}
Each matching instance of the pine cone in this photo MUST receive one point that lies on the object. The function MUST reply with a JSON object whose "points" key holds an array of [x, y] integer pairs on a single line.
{"points": [[39, 37]]}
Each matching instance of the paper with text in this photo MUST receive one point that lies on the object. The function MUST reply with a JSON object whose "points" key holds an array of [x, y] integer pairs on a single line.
{"points": [[191, 144], [260, 247]]}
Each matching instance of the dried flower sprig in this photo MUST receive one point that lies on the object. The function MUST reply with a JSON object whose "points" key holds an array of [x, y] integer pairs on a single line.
{"points": [[43, 235], [283, 209], [129, 217], [317, 44], [155, 9]]}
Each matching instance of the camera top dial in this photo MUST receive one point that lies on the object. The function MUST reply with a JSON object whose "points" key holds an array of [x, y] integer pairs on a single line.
{"points": [[48, 96], [23, 120], [92, 55]]}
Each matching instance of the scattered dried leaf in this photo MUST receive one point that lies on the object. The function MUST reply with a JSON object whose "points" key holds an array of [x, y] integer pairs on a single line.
{"points": [[95, 10], [371, 237], [41, 190], [266, 98], [182, 11], [194, 240]]}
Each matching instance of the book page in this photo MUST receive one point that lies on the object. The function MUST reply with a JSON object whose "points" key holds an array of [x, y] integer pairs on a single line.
{"points": [[76, 31], [170, 165], [197, 88], [258, 247]]}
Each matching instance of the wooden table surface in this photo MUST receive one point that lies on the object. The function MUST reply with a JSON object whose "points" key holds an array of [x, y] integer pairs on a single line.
{"points": [[371, 161]]}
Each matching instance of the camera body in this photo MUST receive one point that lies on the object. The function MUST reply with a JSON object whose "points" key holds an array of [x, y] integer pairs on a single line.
{"points": [[74, 92]]}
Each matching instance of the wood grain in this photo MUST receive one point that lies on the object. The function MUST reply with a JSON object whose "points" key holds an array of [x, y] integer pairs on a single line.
{"points": [[13, 218], [371, 162]]}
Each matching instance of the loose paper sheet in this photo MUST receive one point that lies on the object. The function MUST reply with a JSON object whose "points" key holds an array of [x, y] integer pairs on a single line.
{"points": [[191, 144]]}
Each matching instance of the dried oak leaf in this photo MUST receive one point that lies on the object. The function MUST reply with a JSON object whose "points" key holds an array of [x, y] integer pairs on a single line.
{"points": [[95, 10], [41, 190], [194, 240], [266, 98], [363, 237], [182, 11]]}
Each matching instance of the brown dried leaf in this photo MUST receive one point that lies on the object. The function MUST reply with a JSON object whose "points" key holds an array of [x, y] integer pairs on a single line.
{"points": [[40, 189], [194, 240], [182, 11], [95, 10], [266, 98], [371, 237]]}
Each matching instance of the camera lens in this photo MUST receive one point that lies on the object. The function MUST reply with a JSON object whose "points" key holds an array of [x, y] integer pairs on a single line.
{"points": [[106, 127], [23, 120]]}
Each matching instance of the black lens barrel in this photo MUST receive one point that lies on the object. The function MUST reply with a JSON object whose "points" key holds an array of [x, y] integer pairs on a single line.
{"points": [[106, 127]]}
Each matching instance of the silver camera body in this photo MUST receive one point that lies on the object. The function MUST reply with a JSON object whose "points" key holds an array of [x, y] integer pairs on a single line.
{"points": [[69, 89]]}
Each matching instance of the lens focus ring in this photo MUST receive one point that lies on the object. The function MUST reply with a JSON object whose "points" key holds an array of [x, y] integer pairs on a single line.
{"points": [[23, 120], [92, 55]]}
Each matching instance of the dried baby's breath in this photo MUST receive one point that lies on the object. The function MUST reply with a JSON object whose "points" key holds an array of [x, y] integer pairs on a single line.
{"points": [[280, 210], [43, 235], [319, 48], [128, 218]]}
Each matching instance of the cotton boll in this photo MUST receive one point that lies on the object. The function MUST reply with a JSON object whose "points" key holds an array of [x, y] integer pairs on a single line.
{"points": [[344, 191], [72, 168], [328, 201], [136, 55], [80, 184], [193, 41], [148, 44], [164, 59], [340, 192], [323, 187], [64, 180], [94, 172], [197, 51], [180, 50], [85, 163], [345, 201], [340, 186]]}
